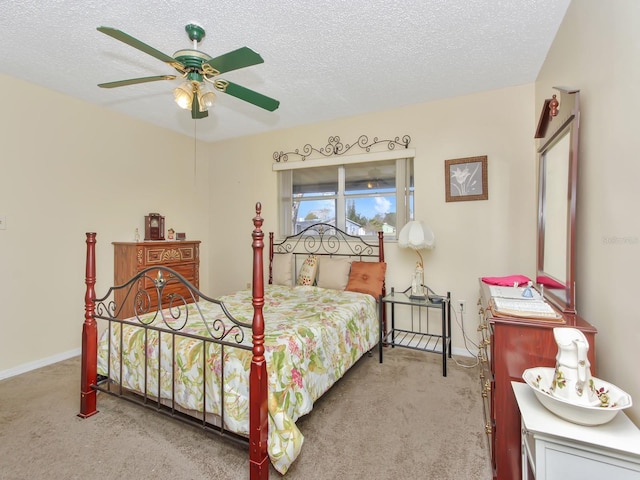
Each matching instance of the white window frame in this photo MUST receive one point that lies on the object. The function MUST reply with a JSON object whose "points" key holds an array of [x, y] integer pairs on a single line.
{"points": [[285, 184]]}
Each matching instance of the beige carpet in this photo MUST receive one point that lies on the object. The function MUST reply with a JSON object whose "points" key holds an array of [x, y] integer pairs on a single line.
{"points": [[399, 419]]}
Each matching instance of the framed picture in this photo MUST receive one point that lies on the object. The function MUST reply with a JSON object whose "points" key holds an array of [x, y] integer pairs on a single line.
{"points": [[466, 179]]}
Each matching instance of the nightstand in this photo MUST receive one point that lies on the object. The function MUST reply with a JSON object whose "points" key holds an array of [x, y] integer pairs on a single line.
{"points": [[555, 449], [420, 334]]}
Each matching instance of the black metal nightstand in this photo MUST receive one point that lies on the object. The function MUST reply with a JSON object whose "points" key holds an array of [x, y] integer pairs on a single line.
{"points": [[418, 336]]}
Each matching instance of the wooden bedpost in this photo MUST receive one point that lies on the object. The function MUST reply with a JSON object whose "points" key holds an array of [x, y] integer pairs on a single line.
{"points": [[89, 365], [258, 420]]}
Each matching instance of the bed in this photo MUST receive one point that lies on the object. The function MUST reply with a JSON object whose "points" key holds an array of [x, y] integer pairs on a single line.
{"points": [[241, 365]]}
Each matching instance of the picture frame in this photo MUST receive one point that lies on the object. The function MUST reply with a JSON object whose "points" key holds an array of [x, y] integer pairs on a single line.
{"points": [[466, 179]]}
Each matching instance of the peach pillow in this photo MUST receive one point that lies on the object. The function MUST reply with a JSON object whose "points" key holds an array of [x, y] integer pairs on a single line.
{"points": [[367, 277]]}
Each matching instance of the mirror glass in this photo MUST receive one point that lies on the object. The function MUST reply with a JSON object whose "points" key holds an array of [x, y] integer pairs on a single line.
{"points": [[556, 181], [558, 155]]}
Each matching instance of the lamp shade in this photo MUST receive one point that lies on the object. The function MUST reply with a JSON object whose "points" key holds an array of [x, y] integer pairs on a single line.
{"points": [[206, 96], [416, 235], [207, 99], [183, 95]]}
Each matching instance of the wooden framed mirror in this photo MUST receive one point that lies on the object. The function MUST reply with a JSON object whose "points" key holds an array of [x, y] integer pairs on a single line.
{"points": [[558, 130]]}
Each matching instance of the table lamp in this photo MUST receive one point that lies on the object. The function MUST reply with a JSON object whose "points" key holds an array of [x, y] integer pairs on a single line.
{"points": [[418, 236]]}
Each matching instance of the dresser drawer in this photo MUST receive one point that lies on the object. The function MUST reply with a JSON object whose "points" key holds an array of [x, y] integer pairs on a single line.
{"points": [[172, 285], [187, 271], [167, 255], [177, 291]]}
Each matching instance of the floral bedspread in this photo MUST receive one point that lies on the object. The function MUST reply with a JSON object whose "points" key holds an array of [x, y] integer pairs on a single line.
{"points": [[312, 337]]}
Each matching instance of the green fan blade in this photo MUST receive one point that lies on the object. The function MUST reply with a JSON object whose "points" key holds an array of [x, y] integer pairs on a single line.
{"points": [[240, 58], [133, 81], [195, 108], [247, 95], [135, 43]]}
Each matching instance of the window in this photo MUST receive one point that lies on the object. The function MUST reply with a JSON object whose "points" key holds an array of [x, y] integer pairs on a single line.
{"points": [[360, 198]]}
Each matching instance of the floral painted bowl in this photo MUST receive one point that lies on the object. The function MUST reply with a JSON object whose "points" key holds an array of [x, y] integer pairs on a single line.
{"points": [[612, 399]]}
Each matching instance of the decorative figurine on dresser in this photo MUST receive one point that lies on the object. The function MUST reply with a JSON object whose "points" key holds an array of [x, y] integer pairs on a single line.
{"points": [[512, 340], [153, 227]]}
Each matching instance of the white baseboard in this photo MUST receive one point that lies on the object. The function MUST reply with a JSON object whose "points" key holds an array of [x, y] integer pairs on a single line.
{"points": [[43, 362]]}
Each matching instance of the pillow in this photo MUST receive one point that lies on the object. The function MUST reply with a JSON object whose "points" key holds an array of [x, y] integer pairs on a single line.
{"points": [[333, 272], [367, 277], [307, 275], [282, 269]]}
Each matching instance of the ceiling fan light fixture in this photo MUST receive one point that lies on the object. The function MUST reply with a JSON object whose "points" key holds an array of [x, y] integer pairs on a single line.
{"points": [[206, 97], [207, 100], [183, 95]]}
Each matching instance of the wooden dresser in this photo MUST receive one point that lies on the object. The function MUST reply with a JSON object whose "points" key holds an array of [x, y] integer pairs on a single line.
{"points": [[508, 346], [133, 257]]}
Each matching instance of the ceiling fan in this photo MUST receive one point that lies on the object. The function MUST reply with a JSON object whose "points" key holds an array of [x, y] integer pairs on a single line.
{"points": [[200, 72]]}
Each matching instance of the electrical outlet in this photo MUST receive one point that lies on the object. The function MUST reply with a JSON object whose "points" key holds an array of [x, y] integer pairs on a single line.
{"points": [[461, 305]]}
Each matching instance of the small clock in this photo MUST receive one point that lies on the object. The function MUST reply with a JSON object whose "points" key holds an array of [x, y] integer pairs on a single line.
{"points": [[154, 227]]}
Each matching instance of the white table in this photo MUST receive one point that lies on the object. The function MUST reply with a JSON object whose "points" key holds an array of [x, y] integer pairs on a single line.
{"points": [[556, 449]]}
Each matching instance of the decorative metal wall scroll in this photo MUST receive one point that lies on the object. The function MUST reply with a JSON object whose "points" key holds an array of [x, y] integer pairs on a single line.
{"points": [[335, 147]]}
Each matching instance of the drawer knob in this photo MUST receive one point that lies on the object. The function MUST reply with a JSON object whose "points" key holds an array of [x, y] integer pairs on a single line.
{"points": [[486, 389]]}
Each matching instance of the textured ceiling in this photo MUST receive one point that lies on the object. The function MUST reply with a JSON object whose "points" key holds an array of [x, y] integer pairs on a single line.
{"points": [[323, 59]]}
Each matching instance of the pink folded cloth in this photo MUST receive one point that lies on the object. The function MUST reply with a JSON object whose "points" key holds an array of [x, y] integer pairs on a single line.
{"points": [[508, 281], [549, 282]]}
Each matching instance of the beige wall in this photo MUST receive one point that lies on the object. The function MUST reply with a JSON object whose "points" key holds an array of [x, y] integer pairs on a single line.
{"points": [[72, 167], [67, 167], [473, 239], [597, 51]]}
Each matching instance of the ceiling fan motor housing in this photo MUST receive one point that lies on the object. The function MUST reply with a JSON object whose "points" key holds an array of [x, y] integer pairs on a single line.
{"points": [[191, 59]]}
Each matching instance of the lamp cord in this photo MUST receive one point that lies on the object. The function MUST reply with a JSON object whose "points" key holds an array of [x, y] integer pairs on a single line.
{"points": [[460, 322]]}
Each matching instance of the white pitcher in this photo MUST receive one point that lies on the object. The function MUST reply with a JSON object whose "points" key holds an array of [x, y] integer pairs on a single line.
{"points": [[572, 377]]}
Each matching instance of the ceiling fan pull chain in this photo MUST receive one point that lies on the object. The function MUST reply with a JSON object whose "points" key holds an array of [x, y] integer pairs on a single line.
{"points": [[195, 150]]}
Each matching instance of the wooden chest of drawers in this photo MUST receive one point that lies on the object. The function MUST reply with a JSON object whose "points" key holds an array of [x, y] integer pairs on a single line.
{"points": [[509, 346], [133, 257]]}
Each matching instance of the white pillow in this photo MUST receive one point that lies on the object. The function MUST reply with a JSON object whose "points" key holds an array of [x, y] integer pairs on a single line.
{"points": [[334, 272], [282, 269]]}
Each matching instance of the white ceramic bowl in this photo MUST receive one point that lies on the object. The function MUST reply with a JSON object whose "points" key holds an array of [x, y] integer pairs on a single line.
{"points": [[540, 378]]}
